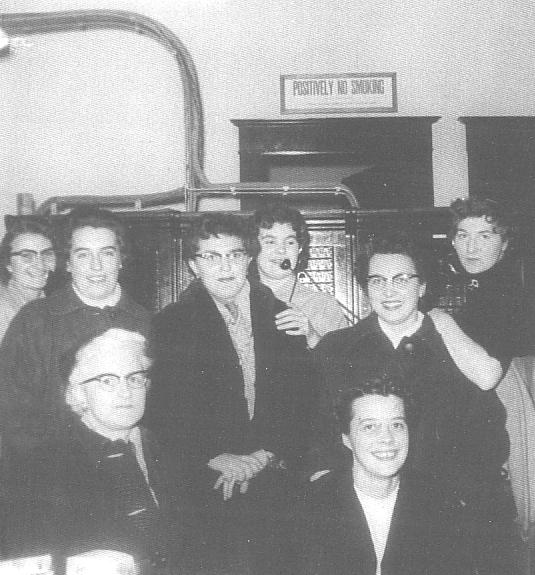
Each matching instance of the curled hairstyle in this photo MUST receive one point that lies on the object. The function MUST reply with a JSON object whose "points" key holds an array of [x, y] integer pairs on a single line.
{"points": [[475, 207], [17, 227], [384, 385], [94, 217], [267, 217], [395, 243], [112, 341], [215, 224]]}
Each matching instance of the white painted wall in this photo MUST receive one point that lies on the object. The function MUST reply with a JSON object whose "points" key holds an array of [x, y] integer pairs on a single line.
{"points": [[452, 57]]}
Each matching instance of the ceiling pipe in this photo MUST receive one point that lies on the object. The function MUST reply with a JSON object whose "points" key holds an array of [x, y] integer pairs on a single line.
{"points": [[13, 25]]}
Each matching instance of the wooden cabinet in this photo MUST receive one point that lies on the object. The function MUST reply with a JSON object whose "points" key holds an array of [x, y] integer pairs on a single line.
{"points": [[387, 162], [501, 158]]}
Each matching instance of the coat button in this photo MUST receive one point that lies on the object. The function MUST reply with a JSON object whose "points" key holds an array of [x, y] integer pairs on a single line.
{"points": [[409, 347]]}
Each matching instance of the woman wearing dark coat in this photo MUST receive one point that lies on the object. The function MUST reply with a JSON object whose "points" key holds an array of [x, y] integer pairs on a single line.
{"points": [[102, 483], [481, 285], [371, 518]]}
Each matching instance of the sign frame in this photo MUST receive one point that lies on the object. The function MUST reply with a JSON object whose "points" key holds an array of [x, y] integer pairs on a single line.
{"points": [[321, 99]]}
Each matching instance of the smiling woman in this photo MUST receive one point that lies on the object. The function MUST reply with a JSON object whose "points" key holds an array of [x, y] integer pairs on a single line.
{"points": [[94, 262], [369, 512], [282, 242], [27, 257]]}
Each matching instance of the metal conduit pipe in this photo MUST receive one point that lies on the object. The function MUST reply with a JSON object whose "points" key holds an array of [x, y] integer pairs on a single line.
{"points": [[68, 21]]}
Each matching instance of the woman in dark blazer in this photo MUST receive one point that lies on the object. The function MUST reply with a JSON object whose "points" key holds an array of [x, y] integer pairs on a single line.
{"points": [[369, 518]]}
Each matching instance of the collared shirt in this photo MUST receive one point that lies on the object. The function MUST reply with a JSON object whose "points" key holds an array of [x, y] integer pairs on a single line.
{"points": [[110, 301], [241, 332]]}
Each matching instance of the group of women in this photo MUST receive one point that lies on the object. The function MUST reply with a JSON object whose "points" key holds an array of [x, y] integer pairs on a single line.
{"points": [[490, 307]]}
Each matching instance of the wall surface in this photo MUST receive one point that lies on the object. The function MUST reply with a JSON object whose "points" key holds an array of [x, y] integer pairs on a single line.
{"points": [[452, 57]]}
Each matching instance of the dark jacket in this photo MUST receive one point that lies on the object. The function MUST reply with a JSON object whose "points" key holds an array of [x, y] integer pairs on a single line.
{"points": [[458, 435], [197, 405], [334, 538], [64, 502], [491, 308], [32, 404]]}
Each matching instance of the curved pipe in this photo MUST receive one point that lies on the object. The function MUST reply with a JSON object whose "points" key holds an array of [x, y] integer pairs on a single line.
{"points": [[57, 204], [58, 22]]}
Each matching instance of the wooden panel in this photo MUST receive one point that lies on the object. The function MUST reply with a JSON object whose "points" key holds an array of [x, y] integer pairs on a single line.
{"points": [[153, 276], [501, 157], [391, 157]]}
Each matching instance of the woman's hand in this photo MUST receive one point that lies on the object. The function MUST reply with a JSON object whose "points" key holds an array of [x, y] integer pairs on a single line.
{"points": [[237, 469], [295, 322]]}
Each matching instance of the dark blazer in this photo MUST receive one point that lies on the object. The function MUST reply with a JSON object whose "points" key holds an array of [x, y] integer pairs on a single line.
{"points": [[62, 503], [196, 403], [32, 403], [334, 537]]}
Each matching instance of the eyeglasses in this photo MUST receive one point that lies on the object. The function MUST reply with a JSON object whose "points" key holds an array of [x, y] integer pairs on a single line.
{"points": [[110, 381], [399, 281], [216, 259], [31, 256]]}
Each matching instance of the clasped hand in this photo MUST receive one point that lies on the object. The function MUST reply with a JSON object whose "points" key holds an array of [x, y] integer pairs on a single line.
{"points": [[238, 470]]}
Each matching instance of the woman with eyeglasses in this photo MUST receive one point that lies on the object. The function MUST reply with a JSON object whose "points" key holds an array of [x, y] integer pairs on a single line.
{"points": [[283, 250], [101, 485], [27, 257]]}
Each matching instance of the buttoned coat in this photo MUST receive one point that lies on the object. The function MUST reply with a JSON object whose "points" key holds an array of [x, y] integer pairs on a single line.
{"points": [[334, 537], [197, 405]]}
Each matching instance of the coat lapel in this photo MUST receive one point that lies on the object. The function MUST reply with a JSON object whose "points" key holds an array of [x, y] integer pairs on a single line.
{"points": [[354, 534], [404, 548]]}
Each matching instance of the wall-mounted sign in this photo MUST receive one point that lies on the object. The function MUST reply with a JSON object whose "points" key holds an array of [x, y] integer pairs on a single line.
{"points": [[336, 93]]}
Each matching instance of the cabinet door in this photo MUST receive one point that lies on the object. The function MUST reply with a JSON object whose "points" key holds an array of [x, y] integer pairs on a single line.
{"points": [[385, 162], [154, 275]]}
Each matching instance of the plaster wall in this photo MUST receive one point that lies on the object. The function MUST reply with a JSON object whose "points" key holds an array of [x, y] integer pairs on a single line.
{"points": [[452, 57]]}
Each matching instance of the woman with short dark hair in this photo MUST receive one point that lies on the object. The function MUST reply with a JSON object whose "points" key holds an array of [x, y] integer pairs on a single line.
{"points": [[27, 257], [481, 285], [282, 245]]}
